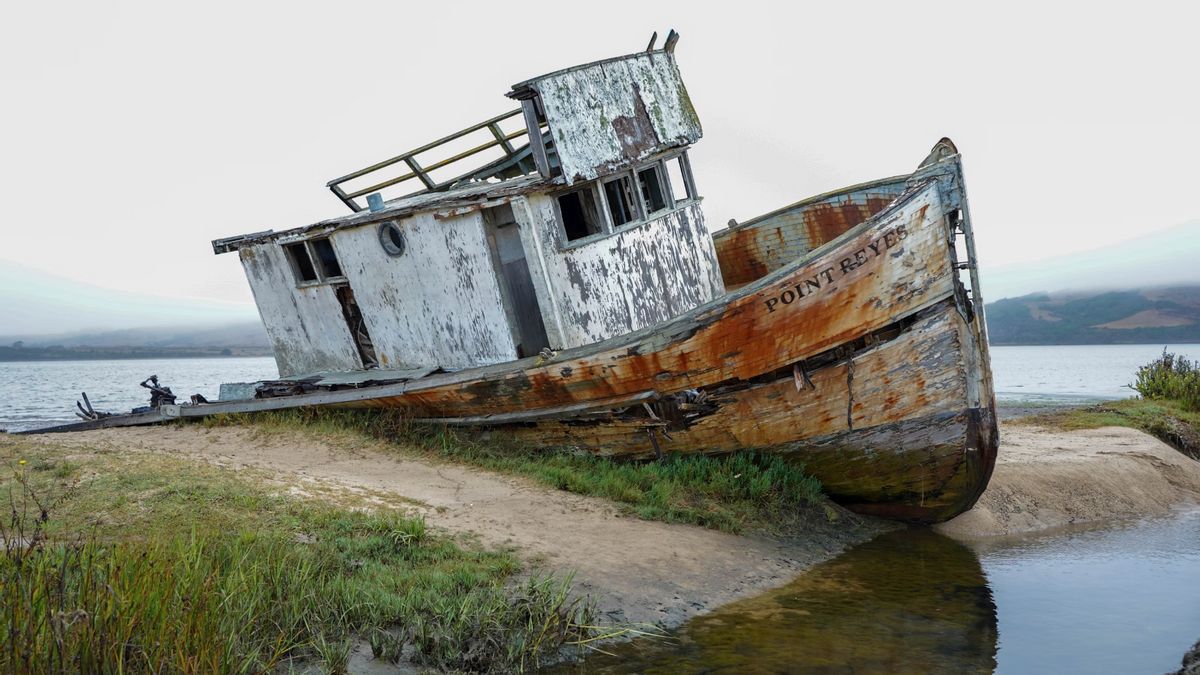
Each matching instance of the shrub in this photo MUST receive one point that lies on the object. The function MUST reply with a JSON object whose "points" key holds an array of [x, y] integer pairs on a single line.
{"points": [[1170, 377]]}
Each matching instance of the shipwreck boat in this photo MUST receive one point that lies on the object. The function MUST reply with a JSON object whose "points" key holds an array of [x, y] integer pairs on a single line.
{"points": [[566, 290]]}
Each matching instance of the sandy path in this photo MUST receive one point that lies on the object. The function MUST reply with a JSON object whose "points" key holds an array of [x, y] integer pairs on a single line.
{"points": [[1046, 479], [637, 570]]}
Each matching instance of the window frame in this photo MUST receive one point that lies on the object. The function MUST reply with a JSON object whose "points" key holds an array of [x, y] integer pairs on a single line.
{"points": [[689, 181], [601, 205], [639, 214], [314, 260], [600, 196]]}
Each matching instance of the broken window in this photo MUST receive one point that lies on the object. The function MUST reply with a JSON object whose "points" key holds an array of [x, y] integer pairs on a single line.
{"points": [[621, 204], [580, 217], [654, 195], [323, 251], [301, 262], [679, 178]]}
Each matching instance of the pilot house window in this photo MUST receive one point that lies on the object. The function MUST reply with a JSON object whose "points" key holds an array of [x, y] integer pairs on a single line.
{"points": [[621, 204], [653, 193], [580, 217]]}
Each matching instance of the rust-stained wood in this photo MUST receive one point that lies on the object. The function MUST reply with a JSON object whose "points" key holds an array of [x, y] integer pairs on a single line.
{"points": [[750, 249]]}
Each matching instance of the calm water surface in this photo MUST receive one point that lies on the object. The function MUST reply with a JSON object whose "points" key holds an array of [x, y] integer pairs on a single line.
{"points": [[42, 393], [1072, 373], [1124, 599], [34, 394]]}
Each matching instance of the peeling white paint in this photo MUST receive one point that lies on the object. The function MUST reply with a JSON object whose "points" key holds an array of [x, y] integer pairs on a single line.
{"points": [[305, 324], [437, 304], [611, 114], [637, 277]]}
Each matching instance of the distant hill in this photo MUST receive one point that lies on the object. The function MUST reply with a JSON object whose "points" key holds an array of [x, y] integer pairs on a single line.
{"points": [[1144, 316], [236, 339]]}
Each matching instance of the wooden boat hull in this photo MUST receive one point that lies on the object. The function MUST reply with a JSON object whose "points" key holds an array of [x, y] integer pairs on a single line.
{"points": [[864, 359], [853, 347]]}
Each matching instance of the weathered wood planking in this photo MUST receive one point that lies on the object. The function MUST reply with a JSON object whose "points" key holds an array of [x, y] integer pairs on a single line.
{"points": [[753, 248]]}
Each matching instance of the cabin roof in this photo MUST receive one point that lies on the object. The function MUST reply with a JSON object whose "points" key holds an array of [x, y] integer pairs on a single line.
{"points": [[467, 197], [524, 89]]}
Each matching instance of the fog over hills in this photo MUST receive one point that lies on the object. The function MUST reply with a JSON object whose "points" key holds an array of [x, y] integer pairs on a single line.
{"points": [[34, 303], [1163, 258]]}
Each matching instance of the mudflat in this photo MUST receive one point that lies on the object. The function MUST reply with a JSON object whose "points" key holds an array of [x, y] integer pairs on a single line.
{"points": [[636, 570], [1046, 479]]}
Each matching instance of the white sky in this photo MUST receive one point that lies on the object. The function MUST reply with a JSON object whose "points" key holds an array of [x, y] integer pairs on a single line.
{"points": [[133, 133]]}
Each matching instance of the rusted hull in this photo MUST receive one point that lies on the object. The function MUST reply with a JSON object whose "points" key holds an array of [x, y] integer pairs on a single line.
{"points": [[865, 359]]}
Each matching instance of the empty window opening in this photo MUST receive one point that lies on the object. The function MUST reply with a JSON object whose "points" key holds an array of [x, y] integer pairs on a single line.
{"points": [[301, 263], [580, 217], [654, 196], [621, 205], [677, 177], [323, 250]]}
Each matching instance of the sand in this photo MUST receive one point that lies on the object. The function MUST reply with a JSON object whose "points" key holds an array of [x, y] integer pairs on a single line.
{"points": [[1050, 479], [637, 571]]}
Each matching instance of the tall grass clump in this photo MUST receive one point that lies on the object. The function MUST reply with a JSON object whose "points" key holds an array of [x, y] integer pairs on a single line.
{"points": [[731, 493], [1170, 377], [248, 582]]}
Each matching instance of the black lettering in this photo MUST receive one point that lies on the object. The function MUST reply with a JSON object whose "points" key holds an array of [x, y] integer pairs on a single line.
{"points": [[828, 272], [860, 256], [902, 231], [889, 238], [847, 265], [787, 297], [771, 302], [874, 246], [814, 283], [799, 291]]}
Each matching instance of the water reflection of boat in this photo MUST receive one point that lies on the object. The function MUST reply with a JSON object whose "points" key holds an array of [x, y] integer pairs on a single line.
{"points": [[910, 601]]}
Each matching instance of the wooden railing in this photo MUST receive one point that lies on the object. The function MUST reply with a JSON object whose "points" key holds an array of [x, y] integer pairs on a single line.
{"points": [[422, 173]]}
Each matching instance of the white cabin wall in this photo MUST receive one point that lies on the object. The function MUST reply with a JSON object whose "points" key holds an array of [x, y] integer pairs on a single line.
{"points": [[438, 304], [305, 325], [635, 278]]}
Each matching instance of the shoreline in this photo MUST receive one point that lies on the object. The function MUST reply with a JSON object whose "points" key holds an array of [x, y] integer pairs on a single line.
{"points": [[637, 571]]}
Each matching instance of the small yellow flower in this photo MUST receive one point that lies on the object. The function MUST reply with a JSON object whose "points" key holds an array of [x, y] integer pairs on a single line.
{"points": [[21, 462]]}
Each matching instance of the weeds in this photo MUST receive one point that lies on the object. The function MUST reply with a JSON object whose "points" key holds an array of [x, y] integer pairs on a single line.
{"points": [[191, 569], [732, 493]]}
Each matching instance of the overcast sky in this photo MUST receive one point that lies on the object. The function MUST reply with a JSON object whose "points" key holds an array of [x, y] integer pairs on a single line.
{"points": [[133, 133]]}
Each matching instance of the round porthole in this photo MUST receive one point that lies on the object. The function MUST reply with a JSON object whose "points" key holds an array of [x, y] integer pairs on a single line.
{"points": [[392, 239]]}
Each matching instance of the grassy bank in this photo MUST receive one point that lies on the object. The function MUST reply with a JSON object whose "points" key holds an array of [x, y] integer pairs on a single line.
{"points": [[745, 491], [144, 563], [1169, 409]]}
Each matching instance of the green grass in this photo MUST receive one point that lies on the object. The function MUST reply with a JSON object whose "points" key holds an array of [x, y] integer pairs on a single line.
{"points": [[744, 491], [144, 563]]}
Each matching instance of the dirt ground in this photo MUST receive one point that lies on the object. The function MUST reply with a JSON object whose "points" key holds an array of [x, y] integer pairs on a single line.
{"points": [[1048, 479], [637, 571]]}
